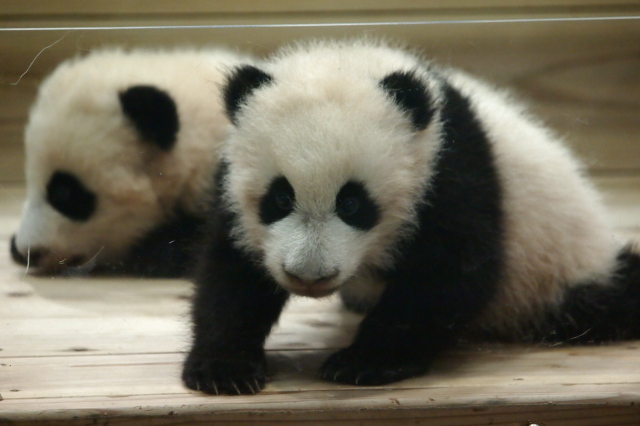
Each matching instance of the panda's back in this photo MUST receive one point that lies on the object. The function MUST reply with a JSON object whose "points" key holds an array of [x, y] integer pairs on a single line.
{"points": [[556, 234]]}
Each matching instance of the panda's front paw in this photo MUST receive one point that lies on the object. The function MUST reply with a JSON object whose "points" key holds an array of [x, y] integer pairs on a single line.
{"points": [[370, 369], [224, 376]]}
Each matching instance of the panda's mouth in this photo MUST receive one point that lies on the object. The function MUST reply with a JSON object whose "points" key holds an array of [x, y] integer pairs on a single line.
{"points": [[55, 265], [44, 261], [313, 291], [311, 285], [316, 289]]}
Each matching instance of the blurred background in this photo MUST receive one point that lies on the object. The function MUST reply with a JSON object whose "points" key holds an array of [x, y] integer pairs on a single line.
{"points": [[576, 62]]}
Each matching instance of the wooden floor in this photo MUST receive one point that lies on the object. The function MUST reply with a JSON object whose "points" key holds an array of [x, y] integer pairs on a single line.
{"points": [[98, 351]]}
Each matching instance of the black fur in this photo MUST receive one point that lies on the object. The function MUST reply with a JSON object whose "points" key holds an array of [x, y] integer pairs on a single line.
{"points": [[244, 80], [234, 308], [168, 251], [278, 202], [410, 94], [598, 312], [448, 270], [355, 207], [447, 273], [153, 113], [70, 197]]}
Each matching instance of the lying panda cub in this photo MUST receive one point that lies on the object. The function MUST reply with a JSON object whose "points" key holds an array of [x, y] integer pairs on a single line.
{"points": [[119, 152], [425, 197]]}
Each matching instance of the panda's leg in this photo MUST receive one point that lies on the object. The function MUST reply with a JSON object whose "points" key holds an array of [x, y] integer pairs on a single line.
{"points": [[411, 324], [234, 309], [595, 312]]}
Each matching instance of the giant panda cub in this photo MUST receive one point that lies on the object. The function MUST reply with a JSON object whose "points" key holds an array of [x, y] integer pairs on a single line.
{"points": [[119, 151], [424, 197]]}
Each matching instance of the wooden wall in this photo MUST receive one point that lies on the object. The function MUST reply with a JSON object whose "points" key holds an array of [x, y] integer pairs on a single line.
{"points": [[580, 72]]}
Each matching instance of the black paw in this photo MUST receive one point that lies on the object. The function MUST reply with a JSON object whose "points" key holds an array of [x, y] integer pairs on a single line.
{"points": [[224, 376], [370, 369]]}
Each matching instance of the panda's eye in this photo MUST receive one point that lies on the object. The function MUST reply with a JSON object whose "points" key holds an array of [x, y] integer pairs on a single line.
{"points": [[347, 206], [278, 202], [284, 201], [67, 195], [355, 207]]}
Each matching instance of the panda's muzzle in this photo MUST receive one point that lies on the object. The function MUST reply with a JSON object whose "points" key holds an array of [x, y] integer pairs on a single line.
{"points": [[41, 258], [32, 257]]}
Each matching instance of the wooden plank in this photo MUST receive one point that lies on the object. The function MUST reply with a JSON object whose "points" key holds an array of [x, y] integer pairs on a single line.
{"points": [[621, 194], [21, 96], [509, 369], [518, 47], [152, 7], [121, 385], [580, 77], [130, 334], [11, 152], [380, 408]]}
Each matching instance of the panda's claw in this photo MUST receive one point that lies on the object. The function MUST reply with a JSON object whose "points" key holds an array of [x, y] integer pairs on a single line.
{"points": [[336, 375], [224, 376], [362, 369], [358, 377], [251, 388]]}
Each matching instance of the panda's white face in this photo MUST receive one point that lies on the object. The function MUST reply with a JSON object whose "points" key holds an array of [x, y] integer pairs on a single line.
{"points": [[82, 206], [314, 245], [99, 168], [325, 173], [120, 146]]}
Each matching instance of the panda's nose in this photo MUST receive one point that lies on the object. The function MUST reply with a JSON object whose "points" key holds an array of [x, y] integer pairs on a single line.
{"points": [[311, 279], [32, 257]]}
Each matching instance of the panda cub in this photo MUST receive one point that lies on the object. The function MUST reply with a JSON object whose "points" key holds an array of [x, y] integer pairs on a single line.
{"points": [[119, 151], [423, 196]]}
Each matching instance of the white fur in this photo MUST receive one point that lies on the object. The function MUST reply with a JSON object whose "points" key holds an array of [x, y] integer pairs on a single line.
{"points": [[324, 120], [309, 133], [557, 232], [77, 125]]}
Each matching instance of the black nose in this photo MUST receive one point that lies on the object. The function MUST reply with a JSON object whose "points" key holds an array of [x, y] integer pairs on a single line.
{"points": [[15, 254], [32, 257]]}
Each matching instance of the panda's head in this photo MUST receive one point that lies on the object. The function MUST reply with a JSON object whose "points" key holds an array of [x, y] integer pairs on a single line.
{"points": [[93, 160], [330, 156]]}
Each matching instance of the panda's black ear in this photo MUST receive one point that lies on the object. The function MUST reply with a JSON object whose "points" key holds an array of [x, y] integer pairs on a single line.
{"points": [[411, 95], [244, 80], [153, 113]]}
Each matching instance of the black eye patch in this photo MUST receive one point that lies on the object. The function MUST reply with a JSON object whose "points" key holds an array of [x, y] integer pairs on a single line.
{"points": [[355, 207], [67, 195], [278, 202]]}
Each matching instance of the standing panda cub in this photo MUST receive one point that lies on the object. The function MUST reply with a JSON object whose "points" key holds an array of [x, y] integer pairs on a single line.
{"points": [[421, 195], [119, 151]]}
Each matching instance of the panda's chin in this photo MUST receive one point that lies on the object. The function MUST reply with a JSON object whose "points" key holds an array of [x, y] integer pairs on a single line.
{"points": [[68, 266]]}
